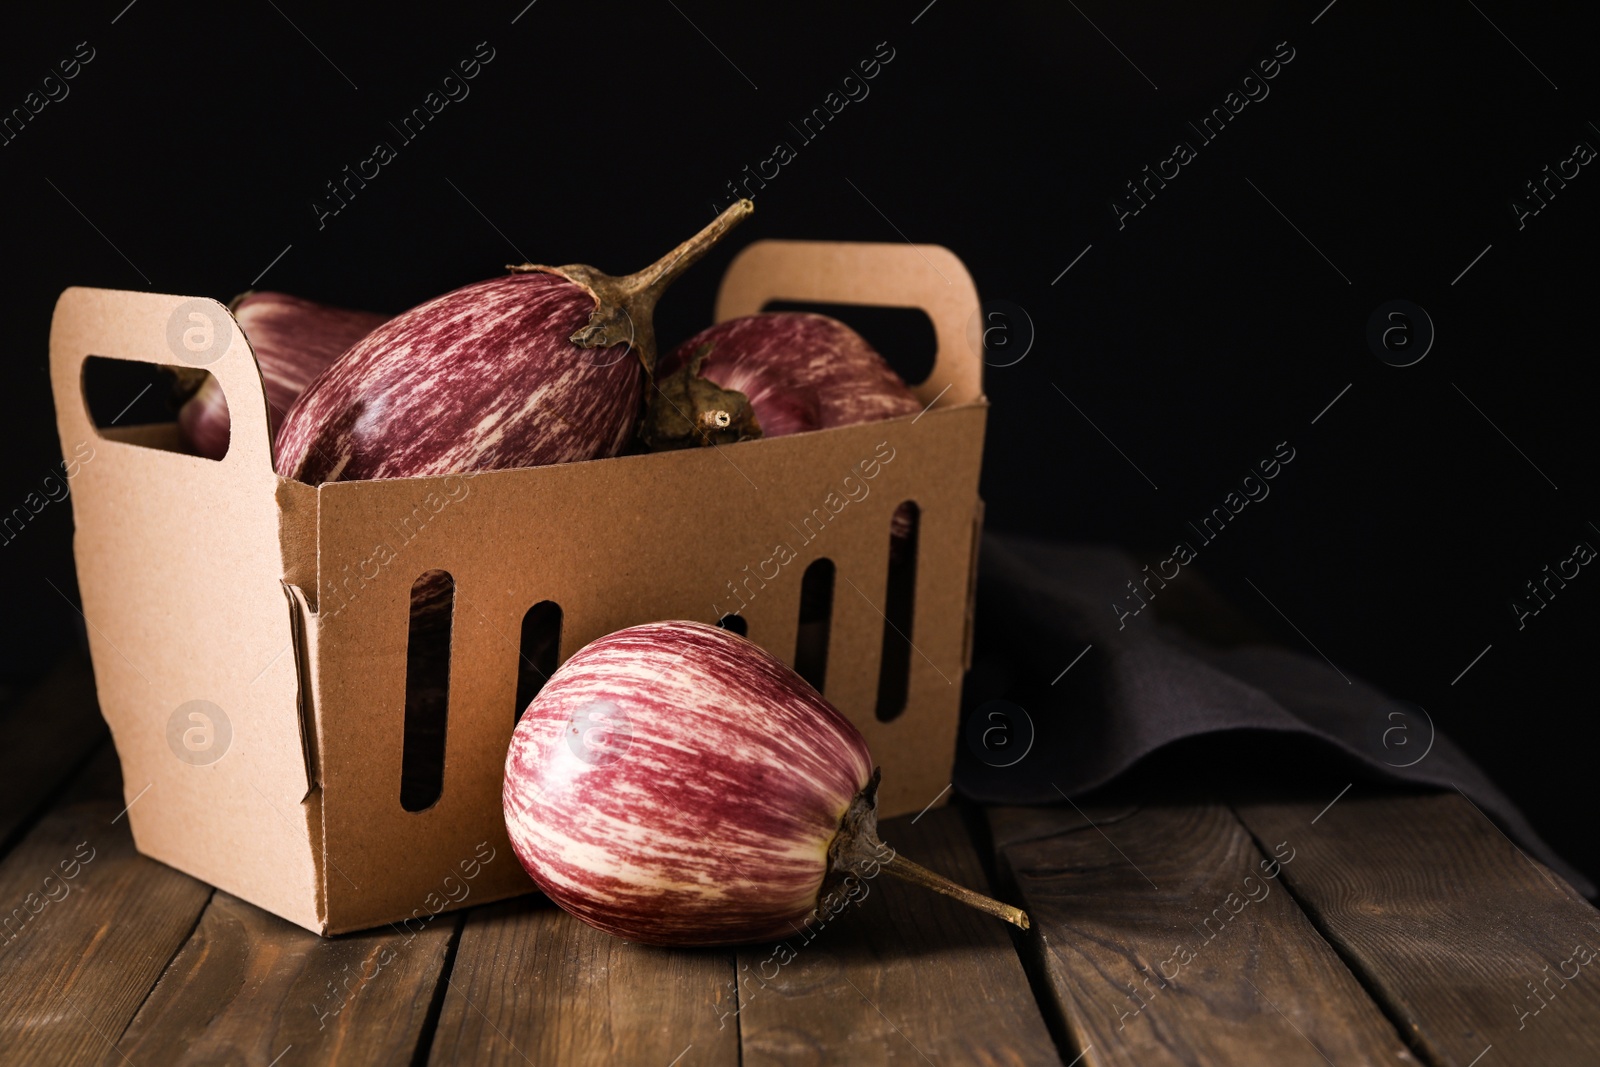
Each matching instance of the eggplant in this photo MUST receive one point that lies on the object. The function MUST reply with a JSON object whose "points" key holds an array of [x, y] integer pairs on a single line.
{"points": [[676, 784], [544, 365]]}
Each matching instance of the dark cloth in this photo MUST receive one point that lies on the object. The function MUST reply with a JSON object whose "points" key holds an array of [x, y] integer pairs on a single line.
{"points": [[1144, 685]]}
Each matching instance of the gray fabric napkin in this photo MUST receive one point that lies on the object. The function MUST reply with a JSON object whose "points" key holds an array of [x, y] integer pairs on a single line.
{"points": [[1101, 690]]}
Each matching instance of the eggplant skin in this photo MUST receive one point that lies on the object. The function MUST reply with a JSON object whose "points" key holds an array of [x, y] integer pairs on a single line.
{"points": [[676, 784], [294, 340], [800, 371], [481, 378]]}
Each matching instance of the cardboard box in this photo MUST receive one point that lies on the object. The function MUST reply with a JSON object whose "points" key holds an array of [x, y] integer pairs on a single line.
{"points": [[252, 666]]}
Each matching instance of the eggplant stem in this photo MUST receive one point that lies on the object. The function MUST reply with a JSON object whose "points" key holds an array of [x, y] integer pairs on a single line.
{"points": [[916, 874], [624, 308], [857, 849], [664, 271]]}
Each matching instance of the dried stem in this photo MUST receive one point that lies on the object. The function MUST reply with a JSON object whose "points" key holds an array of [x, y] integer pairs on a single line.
{"points": [[857, 850], [625, 307], [916, 874]]}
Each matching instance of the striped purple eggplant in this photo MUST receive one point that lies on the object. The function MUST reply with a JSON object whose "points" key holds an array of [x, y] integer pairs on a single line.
{"points": [[675, 784], [294, 340], [517, 371], [774, 374], [769, 375]]}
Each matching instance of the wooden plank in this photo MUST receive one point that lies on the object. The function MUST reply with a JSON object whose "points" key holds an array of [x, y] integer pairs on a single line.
{"points": [[903, 977], [249, 987], [1162, 939], [531, 984], [48, 733], [1456, 930], [88, 925]]}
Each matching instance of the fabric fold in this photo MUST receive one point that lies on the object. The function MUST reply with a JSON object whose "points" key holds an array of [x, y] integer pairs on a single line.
{"points": [[1104, 685]]}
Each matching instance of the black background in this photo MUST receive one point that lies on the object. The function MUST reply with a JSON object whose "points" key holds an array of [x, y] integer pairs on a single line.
{"points": [[191, 149]]}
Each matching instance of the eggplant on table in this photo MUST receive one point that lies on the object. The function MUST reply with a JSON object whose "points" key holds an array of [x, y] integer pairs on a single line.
{"points": [[676, 784]]}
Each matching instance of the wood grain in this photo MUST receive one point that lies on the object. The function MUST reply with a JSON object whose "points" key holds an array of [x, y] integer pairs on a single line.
{"points": [[1012, 826], [81, 952], [533, 985], [1455, 929], [48, 732], [903, 977], [1162, 941], [248, 987]]}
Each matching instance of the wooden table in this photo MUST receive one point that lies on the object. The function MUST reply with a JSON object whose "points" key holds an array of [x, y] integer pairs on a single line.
{"points": [[1380, 929]]}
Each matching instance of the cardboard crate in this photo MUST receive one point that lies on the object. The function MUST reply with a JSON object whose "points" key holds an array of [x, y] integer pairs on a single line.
{"points": [[221, 583]]}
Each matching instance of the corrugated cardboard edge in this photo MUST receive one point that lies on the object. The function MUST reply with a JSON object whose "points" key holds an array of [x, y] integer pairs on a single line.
{"points": [[972, 584], [299, 611], [305, 652]]}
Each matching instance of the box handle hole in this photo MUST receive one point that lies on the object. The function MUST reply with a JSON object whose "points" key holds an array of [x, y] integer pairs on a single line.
{"points": [[427, 690], [540, 651], [139, 403], [816, 622], [894, 671]]}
